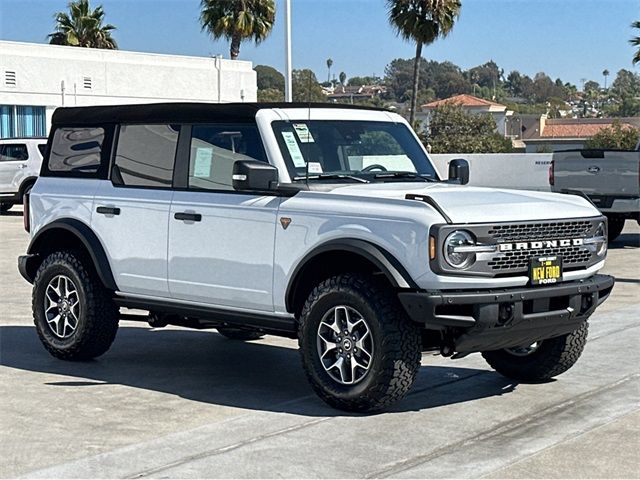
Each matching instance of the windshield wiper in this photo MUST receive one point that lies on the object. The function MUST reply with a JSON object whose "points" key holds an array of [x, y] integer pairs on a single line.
{"points": [[332, 176], [412, 175]]}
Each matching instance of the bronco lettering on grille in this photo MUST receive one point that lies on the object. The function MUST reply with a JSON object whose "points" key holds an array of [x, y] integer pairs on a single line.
{"points": [[568, 242]]}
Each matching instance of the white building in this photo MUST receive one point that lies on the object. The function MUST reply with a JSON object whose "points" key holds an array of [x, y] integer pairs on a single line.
{"points": [[35, 79]]}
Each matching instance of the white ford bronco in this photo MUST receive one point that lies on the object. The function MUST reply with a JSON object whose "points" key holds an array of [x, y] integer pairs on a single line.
{"points": [[20, 163], [324, 223]]}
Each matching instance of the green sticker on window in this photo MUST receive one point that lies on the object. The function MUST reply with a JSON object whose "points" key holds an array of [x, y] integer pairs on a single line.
{"points": [[294, 149], [202, 163]]}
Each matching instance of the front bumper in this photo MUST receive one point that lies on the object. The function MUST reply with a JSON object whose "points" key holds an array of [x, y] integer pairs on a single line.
{"points": [[500, 318]]}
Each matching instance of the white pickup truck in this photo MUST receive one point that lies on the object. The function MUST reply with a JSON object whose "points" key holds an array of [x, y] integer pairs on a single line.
{"points": [[324, 223]]}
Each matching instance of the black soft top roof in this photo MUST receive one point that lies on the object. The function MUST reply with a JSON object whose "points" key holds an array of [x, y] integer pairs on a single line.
{"points": [[177, 112]]}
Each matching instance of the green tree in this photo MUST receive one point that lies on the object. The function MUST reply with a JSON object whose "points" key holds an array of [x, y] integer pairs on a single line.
{"points": [[270, 95], [83, 27], [306, 87], [269, 78], [329, 65], [342, 77], [367, 80], [605, 74], [238, 20], [635, 41], [422, 21], [452, 130], [615, 137]]}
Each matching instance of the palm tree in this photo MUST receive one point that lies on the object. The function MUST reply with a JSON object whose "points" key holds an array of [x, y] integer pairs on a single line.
{"points": [[238, 20], [83, 27], [342, 77], [605, 74], [329, 64], [635, 41], [422, 21]]}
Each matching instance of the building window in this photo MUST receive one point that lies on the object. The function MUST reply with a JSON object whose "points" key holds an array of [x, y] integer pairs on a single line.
{"points": [[22, 121], [86, 82]]}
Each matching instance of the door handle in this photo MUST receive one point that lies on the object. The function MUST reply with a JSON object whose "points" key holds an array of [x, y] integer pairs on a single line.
{"points": [[188, 217], [593, 169], [22, 165], [108, 210]]}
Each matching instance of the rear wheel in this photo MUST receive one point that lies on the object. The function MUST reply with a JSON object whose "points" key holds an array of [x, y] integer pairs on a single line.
{"points": [[239, 334], [359, 350], [615, 227], [542, 360], [75, 317]]}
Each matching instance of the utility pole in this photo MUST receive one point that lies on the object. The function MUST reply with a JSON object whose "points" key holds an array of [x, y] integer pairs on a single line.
{"points": [[288, 94]]}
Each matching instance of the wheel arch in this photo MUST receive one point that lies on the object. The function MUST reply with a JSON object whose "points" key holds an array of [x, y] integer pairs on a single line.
{"points": [[26, 183], [68, 233], [342, 256]]}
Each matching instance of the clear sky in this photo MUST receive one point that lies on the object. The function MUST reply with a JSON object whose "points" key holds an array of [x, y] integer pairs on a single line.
{"points": [[570, 39]]}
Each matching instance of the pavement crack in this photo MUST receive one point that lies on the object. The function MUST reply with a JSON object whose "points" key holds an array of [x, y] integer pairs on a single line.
{"points": [[500, 429], [228, 448]]}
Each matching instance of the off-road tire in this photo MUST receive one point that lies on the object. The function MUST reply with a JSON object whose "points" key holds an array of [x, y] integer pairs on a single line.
{"points": [[615, 227], [553, 357], [239, 334], [396, 340], [98, 317], [5, 207]]}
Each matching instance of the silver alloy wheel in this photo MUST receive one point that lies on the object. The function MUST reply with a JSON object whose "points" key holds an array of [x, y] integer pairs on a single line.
{"points": [[345, 345], [62, 306], [524, 351]]}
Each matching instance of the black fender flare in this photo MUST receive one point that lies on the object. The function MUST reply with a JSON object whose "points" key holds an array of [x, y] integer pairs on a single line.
{"points": [[29, 181], [86, 236], [378, 256]]}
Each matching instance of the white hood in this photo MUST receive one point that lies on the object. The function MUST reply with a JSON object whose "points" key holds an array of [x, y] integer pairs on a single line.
{"points": [[465, 204]]}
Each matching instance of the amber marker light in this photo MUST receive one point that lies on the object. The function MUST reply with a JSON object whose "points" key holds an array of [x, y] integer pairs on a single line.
{"points": [[432, 248]]}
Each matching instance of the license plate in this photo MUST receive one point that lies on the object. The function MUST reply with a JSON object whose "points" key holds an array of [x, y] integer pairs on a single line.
{"points": [[545, 270]]}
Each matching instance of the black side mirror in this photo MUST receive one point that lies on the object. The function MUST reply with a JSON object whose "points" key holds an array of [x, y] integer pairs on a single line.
{"points": [[459, 171], [254, 175]]}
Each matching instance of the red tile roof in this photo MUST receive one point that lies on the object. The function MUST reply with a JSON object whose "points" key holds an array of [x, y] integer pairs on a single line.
{"points": [[575, 130], [464, 100]]}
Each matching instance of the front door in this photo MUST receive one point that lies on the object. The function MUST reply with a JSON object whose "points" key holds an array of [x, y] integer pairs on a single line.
{"points": [[220, 241]]}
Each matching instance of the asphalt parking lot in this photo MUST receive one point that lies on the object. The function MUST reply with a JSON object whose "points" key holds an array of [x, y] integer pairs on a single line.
{"points": [[179, 403]]}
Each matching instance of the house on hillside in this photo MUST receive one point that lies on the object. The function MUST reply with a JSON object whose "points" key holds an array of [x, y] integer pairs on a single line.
{"points": [[354, 92], [552, 134], [469, 104]]}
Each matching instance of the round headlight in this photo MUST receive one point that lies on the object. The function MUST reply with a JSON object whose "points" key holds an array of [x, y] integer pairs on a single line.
{"points": [[453, 255], [601, 232]]}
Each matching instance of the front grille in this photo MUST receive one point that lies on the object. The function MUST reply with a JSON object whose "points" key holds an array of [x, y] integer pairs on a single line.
{"points": [[518, 260], [541, 230]]}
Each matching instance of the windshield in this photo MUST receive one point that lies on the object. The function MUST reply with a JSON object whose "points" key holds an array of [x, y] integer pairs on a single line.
{"points": [[351, 151]]}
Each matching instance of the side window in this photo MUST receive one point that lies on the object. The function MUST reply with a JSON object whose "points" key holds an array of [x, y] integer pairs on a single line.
{"points": [[77, 150], [13, 153], [145, 155], [215, 148]]}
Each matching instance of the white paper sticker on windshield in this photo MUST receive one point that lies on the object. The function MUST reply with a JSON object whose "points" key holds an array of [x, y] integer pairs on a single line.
{"points": [[303, 132], [314, 167], [202, 165], [294, 149]]}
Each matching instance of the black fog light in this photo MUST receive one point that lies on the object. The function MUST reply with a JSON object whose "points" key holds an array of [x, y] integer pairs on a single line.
{"points": [[587, 302], [505, 313]]}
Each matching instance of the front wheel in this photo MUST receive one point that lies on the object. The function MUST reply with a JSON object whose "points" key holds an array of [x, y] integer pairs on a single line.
{"points": [[540, 361], [359, 350]]}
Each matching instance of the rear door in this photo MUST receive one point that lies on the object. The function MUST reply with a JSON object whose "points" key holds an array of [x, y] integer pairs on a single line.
{"points": [[131, 209], [13, 159], [221, 241]]}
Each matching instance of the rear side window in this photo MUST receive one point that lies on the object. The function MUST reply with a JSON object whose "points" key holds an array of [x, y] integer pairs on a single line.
{"points": [[215, 148], [13, 152], [145, 155], [76, 150]]}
